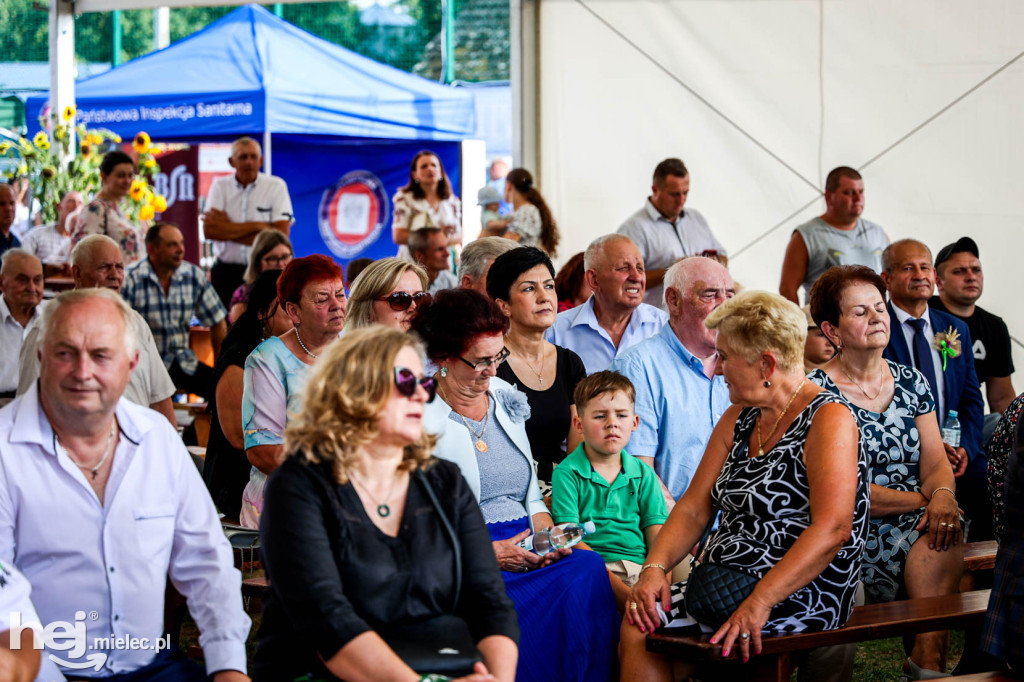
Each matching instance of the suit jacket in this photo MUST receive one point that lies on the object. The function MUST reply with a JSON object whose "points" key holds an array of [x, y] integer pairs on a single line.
{"points": [[962, 392]]}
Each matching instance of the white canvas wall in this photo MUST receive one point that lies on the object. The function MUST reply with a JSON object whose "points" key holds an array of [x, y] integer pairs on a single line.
{"points": [[820, 84]]}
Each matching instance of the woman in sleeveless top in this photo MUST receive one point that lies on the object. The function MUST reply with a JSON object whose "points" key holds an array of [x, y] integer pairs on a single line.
{"points": [[785, 468]]}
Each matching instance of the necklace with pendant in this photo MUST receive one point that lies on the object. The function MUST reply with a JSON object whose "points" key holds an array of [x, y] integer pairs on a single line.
{"points": [[480, 445], [383, 510], [760, 442], [106, 452], [538, 372]]}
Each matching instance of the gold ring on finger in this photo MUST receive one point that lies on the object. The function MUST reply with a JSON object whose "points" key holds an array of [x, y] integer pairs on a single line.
{"points": [[633, 606]]}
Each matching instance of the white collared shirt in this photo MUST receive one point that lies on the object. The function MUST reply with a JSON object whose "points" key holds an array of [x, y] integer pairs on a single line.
{"points": [[263, 200], [12, 334], [908, 333], [112, 560]]}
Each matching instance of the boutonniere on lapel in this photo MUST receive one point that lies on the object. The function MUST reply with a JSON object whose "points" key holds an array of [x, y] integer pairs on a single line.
{"points": [[515, 403], [948, 345]]}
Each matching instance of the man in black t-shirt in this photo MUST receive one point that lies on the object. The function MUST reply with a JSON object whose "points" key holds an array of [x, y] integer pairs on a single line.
{"points": [[960, 283]]}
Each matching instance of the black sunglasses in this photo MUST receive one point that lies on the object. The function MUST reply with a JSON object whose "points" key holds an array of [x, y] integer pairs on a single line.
{"points": [[405, 382], [401, 300]]}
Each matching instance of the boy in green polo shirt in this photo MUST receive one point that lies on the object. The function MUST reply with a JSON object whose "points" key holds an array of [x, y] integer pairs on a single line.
{"points": [[600, 482]]}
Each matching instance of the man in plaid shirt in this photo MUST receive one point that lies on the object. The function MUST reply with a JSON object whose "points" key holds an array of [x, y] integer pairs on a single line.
{"points": [[168, 293]]}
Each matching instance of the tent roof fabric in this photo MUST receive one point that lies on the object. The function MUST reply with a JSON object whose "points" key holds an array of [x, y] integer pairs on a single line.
{"points": [[251, 71]]}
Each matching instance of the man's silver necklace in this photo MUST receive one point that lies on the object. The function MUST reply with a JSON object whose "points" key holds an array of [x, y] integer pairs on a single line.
{"points": [[106, 452], [308, 352]]}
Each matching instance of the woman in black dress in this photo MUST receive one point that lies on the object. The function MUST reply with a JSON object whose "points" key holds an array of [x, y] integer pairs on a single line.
{"points": [[226, 471], [522, 282], [360, 526]]}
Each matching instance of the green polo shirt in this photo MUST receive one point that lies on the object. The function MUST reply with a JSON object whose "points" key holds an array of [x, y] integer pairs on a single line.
{"points": [[620, 510]]}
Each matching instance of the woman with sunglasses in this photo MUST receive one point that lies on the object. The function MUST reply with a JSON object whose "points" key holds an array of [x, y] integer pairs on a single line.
{"points": [[360, 525], [271, 250], [563, 599], [312, 292], [226, 470], [387, 292]]}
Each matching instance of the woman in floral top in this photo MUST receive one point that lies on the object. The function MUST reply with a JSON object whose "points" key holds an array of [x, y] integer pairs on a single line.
{"points": [[103, 215], [426, 201], [999, 447]]}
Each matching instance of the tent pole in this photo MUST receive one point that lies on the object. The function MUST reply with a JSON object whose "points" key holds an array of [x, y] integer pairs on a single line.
{"points": [[266, 151]]}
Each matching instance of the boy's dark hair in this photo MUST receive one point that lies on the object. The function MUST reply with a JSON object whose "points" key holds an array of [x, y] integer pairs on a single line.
{"points": [[597, 383]]}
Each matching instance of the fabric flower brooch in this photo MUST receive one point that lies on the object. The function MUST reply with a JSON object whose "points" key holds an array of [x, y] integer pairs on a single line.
{"points": [[515, 403], [948, 345]]}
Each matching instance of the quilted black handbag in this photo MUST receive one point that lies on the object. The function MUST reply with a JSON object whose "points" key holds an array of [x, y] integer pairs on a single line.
{"points": [[714, 591]]}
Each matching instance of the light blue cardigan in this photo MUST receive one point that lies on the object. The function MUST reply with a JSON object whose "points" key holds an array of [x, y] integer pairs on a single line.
{"points": [[455, 444]]}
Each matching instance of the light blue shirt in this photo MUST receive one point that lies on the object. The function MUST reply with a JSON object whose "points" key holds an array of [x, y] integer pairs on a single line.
{"points": [[578, 330], [678, 409]]}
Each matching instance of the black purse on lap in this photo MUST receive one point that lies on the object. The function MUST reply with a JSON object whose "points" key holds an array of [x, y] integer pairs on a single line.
{"points": [[713, 592]]}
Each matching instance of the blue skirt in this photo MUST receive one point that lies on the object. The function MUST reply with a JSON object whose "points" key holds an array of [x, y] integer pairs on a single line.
{"points": [[567, 616]]}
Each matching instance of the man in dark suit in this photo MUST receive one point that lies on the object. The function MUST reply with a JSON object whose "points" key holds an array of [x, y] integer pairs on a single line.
{"points": [[914, 327]]}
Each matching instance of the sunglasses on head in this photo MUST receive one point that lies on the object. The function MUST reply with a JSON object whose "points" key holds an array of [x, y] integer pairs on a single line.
{"points": [[401, 300], [405, 382]]}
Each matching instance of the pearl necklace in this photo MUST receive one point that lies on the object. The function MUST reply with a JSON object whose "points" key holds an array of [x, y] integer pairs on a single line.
{"points": [[106, 452], [308, 352]]}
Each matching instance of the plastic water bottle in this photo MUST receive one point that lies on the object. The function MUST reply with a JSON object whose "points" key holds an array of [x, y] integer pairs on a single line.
{"points": [[557, 537], [951, 430]]}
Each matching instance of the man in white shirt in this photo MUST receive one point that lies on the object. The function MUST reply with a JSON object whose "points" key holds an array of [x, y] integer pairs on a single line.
{"points": [[21, 282], [429, 248], [665, 232], [51, 243], [238, 207], [100, 504], [97, 261], [615, 317]]}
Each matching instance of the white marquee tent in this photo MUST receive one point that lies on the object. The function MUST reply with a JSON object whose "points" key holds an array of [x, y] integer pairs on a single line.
{"points": [[762, 98]]}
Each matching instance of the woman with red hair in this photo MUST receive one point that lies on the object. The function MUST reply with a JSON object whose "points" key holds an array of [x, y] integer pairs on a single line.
{"points": [[312, 292]]}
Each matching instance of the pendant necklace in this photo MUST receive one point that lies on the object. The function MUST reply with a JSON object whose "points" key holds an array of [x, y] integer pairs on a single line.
{"points": [[539, 373], [881, 381], [383, 510], [760, 442], [308, 352], [480, 445], [106, 452]]}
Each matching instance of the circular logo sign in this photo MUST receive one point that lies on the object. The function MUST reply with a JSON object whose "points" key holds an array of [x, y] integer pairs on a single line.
{"points": [[352, 213]]}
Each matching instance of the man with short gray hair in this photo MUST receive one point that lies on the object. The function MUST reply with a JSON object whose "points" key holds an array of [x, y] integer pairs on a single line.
{"points": [[476, 259], [678, 396], [238, 208], [97, 261], [615, 316], [8, 212], [132, 508], [21, 283], [51, 243]]}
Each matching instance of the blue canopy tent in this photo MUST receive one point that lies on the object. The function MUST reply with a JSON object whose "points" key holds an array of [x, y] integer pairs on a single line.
{"points": [[328, 112]]}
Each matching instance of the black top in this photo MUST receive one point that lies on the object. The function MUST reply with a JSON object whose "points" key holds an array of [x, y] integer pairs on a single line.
{"points": [[226, 470], [550, 417], [990, 341], [334, 575]]}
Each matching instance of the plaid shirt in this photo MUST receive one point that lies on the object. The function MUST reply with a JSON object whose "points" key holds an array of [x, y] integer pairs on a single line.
{"points": [[170, 316], [47, 244]]}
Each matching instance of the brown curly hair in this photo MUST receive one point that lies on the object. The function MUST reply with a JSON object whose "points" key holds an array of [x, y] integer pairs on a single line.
{"points": [[343, 398]]}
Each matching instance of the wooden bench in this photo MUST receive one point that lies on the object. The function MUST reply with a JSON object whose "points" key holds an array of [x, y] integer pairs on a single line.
{"points": [[254, 587], [979, 556], [874, 621]]}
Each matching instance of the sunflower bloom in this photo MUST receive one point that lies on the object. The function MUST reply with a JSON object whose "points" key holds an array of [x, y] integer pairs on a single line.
{"points": [[138, 190], [59, 132], [116, 138], [49, 172], [86, 151], [149, 163], [146, 212], [41, 141], [4, 148], [160, 203], [23, 169], [141, 143], [69, 113]]}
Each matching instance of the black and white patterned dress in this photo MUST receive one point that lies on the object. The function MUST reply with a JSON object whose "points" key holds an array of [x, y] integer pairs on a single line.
{"points": [[765, 503], [893, 444]]}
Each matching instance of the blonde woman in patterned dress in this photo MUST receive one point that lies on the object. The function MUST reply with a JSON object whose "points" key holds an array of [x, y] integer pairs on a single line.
{"points": [[103, 215]]}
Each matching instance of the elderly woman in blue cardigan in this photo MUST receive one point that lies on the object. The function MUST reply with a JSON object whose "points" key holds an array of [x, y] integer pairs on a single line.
{"points": [[564, 600]]}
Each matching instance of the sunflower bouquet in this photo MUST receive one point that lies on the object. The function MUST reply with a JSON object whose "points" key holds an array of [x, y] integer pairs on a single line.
{"points": [[42, 160]]}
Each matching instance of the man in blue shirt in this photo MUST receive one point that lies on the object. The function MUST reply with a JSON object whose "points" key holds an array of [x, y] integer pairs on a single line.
{"points": [[679, 398], [615, 317]]}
